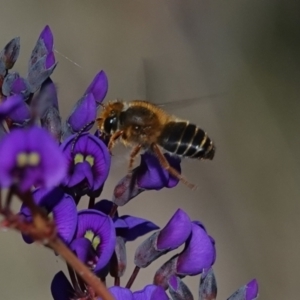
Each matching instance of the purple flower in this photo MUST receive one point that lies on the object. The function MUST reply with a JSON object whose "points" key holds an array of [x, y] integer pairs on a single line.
{"points": [[10, 53], [208, 285], [44, 46], [95, 235], [61, 288], [63, 208], [10, 105], [88, 162], [99, 86], [149, 175], [199, 254], [173, 235], [179, 290], [30, 157], [128, 227], [151, 292], [121, 293], [246, 292], [152, 176], [13, 84], [83, 114]]}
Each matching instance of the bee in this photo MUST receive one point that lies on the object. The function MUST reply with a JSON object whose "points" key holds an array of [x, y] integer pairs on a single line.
{"points": [[144, 126]]}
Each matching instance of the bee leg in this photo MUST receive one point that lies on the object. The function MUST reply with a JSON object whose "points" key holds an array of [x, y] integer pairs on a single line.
{"points": [[135, 151], [165, 164], [113, 139]]}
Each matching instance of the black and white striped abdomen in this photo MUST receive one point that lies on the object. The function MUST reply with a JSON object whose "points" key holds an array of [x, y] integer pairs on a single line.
{"points": [[184, 139]]}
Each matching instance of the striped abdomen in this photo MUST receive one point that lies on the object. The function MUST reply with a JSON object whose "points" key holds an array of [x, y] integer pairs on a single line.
{"points": [[184, 139]]}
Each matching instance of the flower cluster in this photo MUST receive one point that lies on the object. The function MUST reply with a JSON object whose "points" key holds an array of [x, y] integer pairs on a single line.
{"points": [[51, 164]]}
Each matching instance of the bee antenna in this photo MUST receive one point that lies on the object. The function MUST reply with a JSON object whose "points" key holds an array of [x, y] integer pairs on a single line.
{"points": [[79, 133]]}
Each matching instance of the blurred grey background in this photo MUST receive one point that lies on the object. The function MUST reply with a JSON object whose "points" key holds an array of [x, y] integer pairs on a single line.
{"points": [[247, 52]]}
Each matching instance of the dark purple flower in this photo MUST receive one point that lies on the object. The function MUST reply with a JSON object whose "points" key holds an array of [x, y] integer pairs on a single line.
{"points": [[31, 157], [10, 105], [98, 229], [121, 293], [246, 292], [61, 288], [151, 292], [21, 115], [198, 255], [45, 98], [173, 235], [149, 175], [13, 84], [179, 290], [10, 53], [62, 207], [98, 87], [152, 176], [83, 114], [128, 227], [88, 162], [208, 285]]}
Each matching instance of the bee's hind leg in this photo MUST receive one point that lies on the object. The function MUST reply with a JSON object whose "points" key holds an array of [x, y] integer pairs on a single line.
{"points": [[113, 139], [135, 151], [165, 164]]}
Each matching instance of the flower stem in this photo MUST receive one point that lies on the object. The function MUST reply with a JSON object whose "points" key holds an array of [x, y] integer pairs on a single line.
{"points": [[91, 202], [117, 281], [91, 279], [132, 277], [113, 210]]}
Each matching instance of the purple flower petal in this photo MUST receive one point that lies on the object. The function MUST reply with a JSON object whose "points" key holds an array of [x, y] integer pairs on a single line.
{"points": [[121, 293], [10, 105], [21, 114], [61, 288], [105, 206], [102, 226], [151, 292], [87, 146], [136, 227], [176, 232], [41, 169], [82, 248], [251, 290], [47, 37], [98, 87], [83, 113], [152, 176], [198, 254]]}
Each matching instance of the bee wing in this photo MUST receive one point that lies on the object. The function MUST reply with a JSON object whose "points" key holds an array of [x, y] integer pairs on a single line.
{"points": [[182, 103]]}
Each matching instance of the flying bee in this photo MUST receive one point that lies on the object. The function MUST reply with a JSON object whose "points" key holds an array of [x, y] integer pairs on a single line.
{"points": [[143, 125]]}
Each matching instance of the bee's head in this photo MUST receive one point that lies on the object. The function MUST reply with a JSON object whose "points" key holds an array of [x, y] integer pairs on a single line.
{"points": [[108, 120]]}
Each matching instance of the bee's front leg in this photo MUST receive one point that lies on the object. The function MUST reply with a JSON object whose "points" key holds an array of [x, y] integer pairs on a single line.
{"points": [[135, 151], [113, 139]]}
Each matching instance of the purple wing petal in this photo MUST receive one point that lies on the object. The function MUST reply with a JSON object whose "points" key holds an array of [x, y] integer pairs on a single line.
{"points": [[61, 288], [176, 232], [137, 227], [82, 247], [251, 290], [198, 254], [121, 293], [84, 113], [98, 87], [47, 37], [151, 292], [10, 105]]}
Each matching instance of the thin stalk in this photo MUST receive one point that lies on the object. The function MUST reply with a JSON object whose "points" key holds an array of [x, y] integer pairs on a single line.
{"points": [[91, 202], [133, 277], [117, 281], [113, 210]]}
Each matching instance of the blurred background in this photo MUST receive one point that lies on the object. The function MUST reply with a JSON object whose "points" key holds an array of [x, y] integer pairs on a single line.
{"points": [[241, 59]]}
